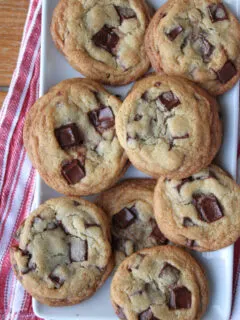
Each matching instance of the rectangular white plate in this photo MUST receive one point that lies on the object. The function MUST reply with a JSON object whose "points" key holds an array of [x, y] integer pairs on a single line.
{"points": [[219, 264]]}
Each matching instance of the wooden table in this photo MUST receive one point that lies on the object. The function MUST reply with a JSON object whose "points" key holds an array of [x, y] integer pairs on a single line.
{"points": [[12, 17]]}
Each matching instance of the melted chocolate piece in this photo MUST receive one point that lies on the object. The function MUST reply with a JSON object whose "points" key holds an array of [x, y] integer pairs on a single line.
{"points": [[73, 172], [172, 35], [158, 236], [124, 218], [147, 315], [120, 313], [167, 270], [117, 243], [78, 250], [208, 207], [125, 13], [58, 282], [169, 100], [227, 72], [138, 117], [217, 12], [75, 203], [180, 298], [68, 136], [205, 48], [102, 119], [187, 222], [106, 39]]}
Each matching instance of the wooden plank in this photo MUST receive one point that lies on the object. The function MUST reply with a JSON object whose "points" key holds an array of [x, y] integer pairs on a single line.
{"points": [[2, 97], [12, 18]]}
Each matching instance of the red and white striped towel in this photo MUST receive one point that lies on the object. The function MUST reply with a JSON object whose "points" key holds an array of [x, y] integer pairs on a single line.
{"points": [[17, 177]]}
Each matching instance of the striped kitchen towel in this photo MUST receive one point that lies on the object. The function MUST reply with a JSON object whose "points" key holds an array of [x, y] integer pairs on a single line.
{"points": [[17, 177]]}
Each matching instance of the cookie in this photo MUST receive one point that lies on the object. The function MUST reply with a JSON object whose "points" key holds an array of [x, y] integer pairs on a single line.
{"points": [[200, 212], [198, 40], [169, 127], [69, 135], [129, 206], [160, 283], [104, 40], [64, 253]]}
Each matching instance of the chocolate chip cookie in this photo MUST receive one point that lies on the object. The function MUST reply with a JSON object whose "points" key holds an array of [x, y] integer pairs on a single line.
{"points": [[70, 137], [198, 40], [129, 206], [104, 40], [200, 212], [168, 126], [159, 283], [64, 253]]}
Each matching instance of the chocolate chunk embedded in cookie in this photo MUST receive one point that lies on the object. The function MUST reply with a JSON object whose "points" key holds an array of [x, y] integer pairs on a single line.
{"points": [[103, 40], [63, 253], [159, 283], [198, 40], [200, 212], [169, 126], [70, 138]]}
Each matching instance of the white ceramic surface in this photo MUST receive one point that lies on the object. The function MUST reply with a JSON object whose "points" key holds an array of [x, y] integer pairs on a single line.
{"points": [[218, 265]]}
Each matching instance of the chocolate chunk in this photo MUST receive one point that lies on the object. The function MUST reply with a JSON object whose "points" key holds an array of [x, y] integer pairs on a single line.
{"points": [[158, 236], [58, 282], [102, 119], [138, 117], [73, 172], [191, 243], [172, 35], [180, 298], [169, 100], [120, 313], [75, 203], [145, 96], [184, 181], [170, 273], [124, 218], [227, 72], [208, 207], [78, 249], [106, 39], [187, 222], [205, 48], [68, 136], [117, 243], [217, 12], [147, 315], [125, 13]]}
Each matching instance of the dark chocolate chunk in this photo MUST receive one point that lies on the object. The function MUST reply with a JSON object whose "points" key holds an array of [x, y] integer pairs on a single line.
{"points": [[58, 282], [180, 298], [73, 172], [138, 117], [187, 222], [145, 96], [191, 243], [125, 13], [147, 315], [78, 249], [205, 48], [106, 39], [170, 271], [120, 313], [217, 12], [227, 72], [102, 119], [158, 236], [117, 243], [124, 218], [68, 136], [208, 207], [75, 203], [172, 35], [169, 100]]}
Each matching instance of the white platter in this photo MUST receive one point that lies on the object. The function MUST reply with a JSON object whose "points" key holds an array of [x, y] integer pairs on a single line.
{"points": [[219, 264]]}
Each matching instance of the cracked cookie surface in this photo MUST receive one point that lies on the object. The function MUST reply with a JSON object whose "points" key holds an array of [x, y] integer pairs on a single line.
{"points": [[70, 137], [129, 206], [64, 253], [103, 39], [200, 212], [169, 126], [198, 40], [159, 283]]}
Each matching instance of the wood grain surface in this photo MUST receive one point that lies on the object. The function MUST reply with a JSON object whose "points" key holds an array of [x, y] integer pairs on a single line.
{"points": [[12, 17]]}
